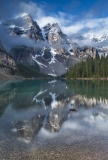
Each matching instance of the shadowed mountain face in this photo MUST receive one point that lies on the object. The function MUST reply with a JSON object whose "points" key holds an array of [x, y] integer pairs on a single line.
{"points": [[48, 46], [32, 106]]}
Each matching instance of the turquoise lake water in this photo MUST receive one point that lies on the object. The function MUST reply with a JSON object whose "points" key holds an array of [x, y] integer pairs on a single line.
{"points": [[54, 119]]}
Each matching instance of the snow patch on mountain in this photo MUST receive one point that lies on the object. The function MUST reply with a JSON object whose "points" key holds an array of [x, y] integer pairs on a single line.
{"points": [[51, 74], [53, 53], [40, 64]]}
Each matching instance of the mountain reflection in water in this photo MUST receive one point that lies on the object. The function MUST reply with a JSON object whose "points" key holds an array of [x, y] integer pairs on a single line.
{"points": [[30, 108]]}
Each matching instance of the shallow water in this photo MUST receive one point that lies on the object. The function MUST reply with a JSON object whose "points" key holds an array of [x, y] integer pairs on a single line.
{"points": [[36, 121]]}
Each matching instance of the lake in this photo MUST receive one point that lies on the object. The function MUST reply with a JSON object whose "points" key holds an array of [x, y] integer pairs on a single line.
{"points": [[54, 119]]}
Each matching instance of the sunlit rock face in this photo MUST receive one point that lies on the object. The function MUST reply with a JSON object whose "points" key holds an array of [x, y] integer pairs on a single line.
{"points": [[85, 52], [54, 35], [6, 62], [5, 59]]}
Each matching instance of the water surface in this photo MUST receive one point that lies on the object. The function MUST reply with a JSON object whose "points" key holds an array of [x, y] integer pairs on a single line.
{"points": [[54, 119]]}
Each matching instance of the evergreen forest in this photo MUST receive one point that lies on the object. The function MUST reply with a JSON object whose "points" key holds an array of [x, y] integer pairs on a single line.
{"points": [[91, 68]]}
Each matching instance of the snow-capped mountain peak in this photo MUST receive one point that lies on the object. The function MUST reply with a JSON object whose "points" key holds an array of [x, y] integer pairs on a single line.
{"points": [[53, 34], [96, 37], [55, 28], [28, 19], [23, 25]]}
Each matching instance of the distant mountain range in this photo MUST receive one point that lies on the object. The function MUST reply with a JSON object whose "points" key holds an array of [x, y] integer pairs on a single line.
{"points": [[99, 41], [41, 51]]}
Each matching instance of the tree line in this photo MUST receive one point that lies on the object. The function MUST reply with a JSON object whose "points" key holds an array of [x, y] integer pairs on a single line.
{"points": [[91, 68]]}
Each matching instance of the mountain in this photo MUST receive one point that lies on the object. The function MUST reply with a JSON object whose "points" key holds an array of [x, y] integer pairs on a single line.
{"points": [[10, 69], [98, 40], [24, 26], [45, 49]]}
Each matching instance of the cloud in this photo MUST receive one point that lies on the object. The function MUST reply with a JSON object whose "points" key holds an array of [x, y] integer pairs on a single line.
{"points": [[46, 133], [9, 41], [86, 26], [31, 8], [72, 29]]}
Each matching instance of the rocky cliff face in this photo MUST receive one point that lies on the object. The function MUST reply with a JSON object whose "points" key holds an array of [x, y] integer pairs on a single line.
{"points": [[24, 26], [85, 52], [53, 34], [7, 64], [48, 60]]}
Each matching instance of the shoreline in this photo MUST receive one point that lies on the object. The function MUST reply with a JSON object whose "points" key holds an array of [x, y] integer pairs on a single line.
{"points": [[86, 79], [5, 77]]}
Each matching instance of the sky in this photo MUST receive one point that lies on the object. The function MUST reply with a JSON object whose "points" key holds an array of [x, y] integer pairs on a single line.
{"points": [[80, 8], [90, 8], [75, 17]]}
